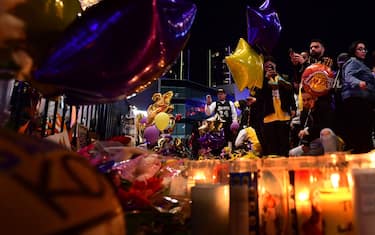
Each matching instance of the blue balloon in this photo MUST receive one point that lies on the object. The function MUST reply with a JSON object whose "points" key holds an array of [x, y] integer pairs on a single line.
{"points": [[117, 48], [263, 27]]}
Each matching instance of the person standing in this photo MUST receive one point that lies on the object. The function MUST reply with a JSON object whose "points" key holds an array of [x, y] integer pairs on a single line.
{"points": [[300, 62], [225, 110], [358, 94], [317, 55], [279, 107]]}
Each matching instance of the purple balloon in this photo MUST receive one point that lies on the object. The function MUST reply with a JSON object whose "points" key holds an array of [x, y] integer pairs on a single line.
{"points": [[117, 48], [151, 134], [143, 120], [234, 126], [263, 27]]}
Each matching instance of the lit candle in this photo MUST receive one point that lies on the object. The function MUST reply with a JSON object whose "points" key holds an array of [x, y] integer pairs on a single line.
{"points": [[200, 177], [372, 159], [194, 178], [337, 211], [303, 204], [304, 197], [210, 209], [336, 207]]}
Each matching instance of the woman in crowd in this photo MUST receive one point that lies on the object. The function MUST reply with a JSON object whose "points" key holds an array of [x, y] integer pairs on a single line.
{"points": [[358, 94]]}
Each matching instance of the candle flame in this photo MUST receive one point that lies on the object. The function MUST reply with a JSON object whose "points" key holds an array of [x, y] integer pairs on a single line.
{"points": [[199, 176], [252, 176], [312, 179], [303, 196], [335, 179], [226, 192], [350, 179], [262, 190], [372, 160]]}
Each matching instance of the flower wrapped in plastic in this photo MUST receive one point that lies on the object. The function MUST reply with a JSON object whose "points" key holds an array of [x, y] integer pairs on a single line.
{"points": [[143, 186], [104, 154]]}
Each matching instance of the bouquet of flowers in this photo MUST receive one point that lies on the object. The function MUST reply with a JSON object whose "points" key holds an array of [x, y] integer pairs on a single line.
{"points": [[142, 183], [143, 186]]}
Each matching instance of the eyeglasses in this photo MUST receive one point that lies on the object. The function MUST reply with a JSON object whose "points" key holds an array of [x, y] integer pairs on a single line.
{"points": [[362, 49], [269, 66]]}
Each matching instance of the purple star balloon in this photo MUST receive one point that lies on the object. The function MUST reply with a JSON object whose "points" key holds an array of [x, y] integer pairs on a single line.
{"points": [[263, 27]]}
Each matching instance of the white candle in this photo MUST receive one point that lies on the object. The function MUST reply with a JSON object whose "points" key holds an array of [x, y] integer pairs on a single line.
{"points": [[364, 201], [210, 209]]}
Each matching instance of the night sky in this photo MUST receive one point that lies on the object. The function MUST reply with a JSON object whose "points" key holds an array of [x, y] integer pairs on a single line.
{"points": [[337, 23]]}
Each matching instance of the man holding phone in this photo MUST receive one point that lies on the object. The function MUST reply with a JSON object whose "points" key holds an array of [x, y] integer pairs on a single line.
{"points": [[300, 62]]}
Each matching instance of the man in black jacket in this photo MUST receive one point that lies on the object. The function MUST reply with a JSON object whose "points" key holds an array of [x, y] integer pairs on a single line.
{"points": [[315, 133], [278, 107]]}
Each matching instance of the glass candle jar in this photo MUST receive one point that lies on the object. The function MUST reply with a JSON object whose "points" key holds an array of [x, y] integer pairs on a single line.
{"points": [[200, 172], [334, 196], [243, 206], [362, 170], [323, 195], [273, 197]]}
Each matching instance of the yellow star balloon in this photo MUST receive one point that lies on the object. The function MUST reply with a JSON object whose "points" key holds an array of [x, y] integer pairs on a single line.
{"points": [[246, 66]]}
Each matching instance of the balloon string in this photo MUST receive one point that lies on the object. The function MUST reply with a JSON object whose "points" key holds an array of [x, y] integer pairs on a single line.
{"points": [[300, 101]]}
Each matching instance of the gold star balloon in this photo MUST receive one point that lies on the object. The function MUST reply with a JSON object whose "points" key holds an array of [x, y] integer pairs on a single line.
{"points": [[246, 66]]}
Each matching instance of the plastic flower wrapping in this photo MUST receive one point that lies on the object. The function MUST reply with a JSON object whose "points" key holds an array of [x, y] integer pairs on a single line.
{"points": [[150, 186]]}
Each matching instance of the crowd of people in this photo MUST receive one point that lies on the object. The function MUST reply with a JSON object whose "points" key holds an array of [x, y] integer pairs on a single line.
{"points": [[287, 118]]}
